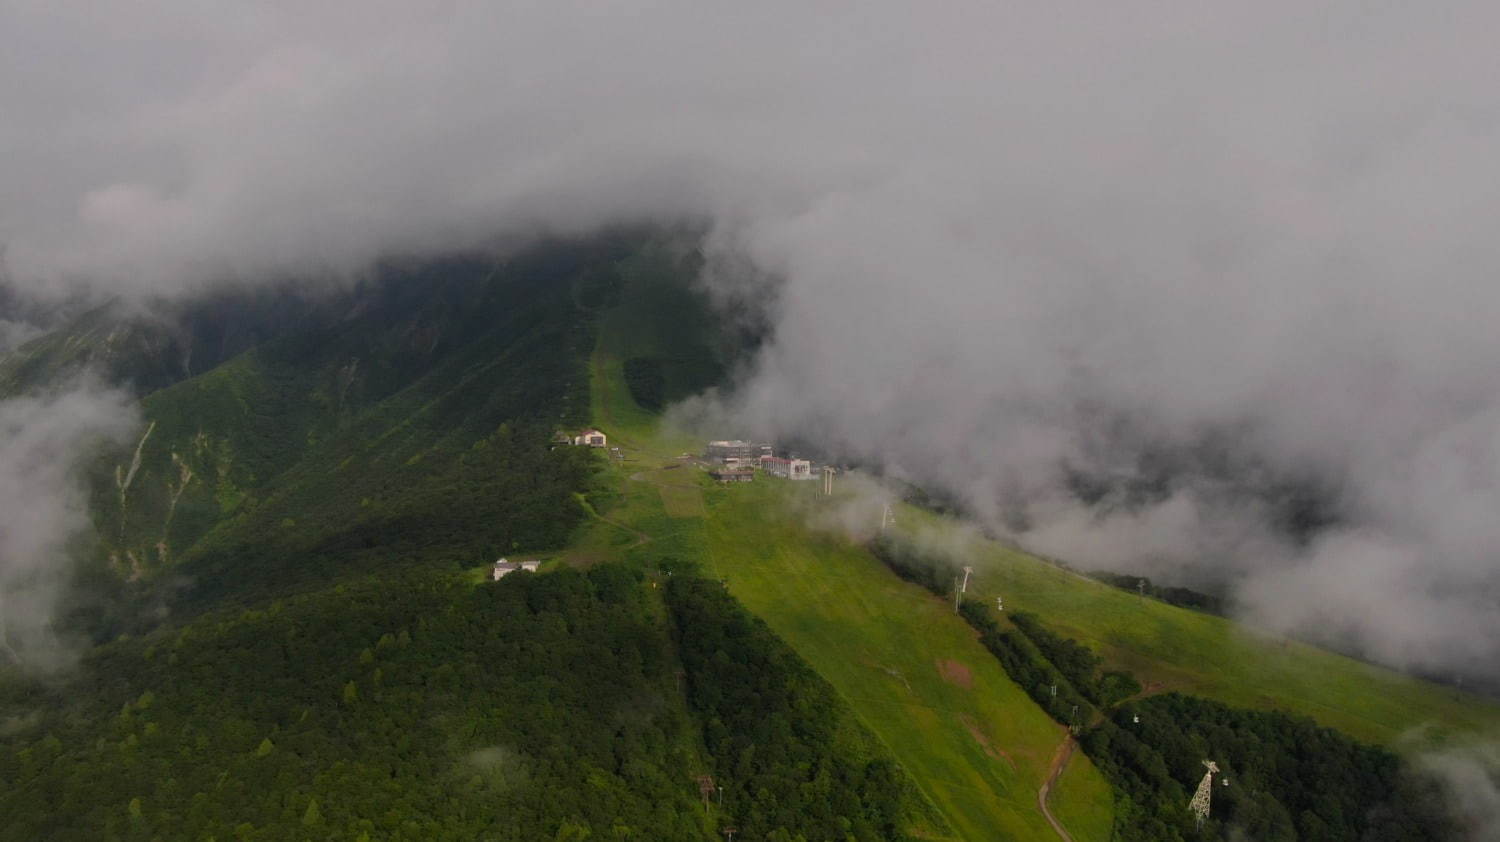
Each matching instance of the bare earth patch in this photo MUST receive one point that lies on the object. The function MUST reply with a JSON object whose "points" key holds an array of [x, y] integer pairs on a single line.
{"points": [[956, 673]]}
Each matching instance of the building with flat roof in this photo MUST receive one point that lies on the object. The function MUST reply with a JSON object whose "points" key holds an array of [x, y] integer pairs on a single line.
{"points": [[776, 466], [733, 474], [736, 450], [504, 568]]}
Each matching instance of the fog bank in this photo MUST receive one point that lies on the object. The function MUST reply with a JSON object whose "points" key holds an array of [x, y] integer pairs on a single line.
{"points": [[1130, 282], [43, 440]]}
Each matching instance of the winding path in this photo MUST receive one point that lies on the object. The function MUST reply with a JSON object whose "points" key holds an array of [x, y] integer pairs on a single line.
{"points": [[640, 537], [1059, 762]]}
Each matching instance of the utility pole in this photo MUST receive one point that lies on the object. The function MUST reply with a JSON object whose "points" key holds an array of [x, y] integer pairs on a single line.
{"points": [[730, 832]]}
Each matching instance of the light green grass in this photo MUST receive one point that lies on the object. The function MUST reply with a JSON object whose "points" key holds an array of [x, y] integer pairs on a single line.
{"points": [[682, 500], [979, 752], [1082, 801], [1171, 648], [879, 640]]}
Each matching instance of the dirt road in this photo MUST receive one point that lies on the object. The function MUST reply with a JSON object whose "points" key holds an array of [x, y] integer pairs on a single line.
{"points": [[1059, 762]]}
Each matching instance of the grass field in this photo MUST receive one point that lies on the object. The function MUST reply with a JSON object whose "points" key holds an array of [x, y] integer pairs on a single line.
{"points": [[1077, 804], [910, 670], [1171, 648], [682, 500]]}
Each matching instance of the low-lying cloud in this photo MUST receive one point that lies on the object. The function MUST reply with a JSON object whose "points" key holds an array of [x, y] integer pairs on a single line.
{"points": [[43, 440], [1471, 784], [1015, 249]]}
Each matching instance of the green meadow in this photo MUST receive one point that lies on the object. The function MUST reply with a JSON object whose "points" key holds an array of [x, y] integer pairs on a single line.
{"points": [[1170, 648], [910, 669]]}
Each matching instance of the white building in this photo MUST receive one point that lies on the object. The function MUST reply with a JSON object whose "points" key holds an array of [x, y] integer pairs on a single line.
{"points": [[589, 438], [776, 466], [504, 568]]}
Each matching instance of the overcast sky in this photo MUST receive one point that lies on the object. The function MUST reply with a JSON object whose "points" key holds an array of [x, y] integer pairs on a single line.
{"points": [[1012, 237]]}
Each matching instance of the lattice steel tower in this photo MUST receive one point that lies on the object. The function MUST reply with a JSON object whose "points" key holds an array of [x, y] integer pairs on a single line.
{"points": [[1199, 804]]}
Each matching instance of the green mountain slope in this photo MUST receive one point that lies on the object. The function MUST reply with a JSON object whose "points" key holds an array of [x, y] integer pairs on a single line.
{"points": [[145, 346], [889, 648], [419, 706], [341, 460], [405, 421], [291, 550], [1175, 649], [911, 671]]}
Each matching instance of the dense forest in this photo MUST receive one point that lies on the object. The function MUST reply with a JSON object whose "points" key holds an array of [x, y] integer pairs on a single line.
{"points": [[419, 706], [647, 382], [1283, 778], [792, 764], [292, 647], [404, 423], [1170, 594]]}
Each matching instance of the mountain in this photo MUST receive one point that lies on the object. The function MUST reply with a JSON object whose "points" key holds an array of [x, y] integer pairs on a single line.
{"points": [[287, 578], [405, 420], [294, 632]]}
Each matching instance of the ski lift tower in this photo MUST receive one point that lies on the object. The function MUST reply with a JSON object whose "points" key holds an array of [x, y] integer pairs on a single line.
{"points": [[962, 589], [1199, 804]]}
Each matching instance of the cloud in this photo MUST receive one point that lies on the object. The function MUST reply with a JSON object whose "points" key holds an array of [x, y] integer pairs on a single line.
{"points": [[1200, 259], [1469, 779], [13, 334], [43, 439]]}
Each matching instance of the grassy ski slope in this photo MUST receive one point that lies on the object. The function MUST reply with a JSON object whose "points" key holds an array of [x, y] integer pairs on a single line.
{"points": [[1171, 648], [902, 661], [912, 671]]}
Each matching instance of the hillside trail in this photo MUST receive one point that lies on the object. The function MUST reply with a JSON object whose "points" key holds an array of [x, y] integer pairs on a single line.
{"points": [[640, 537], [1059, 762]]}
